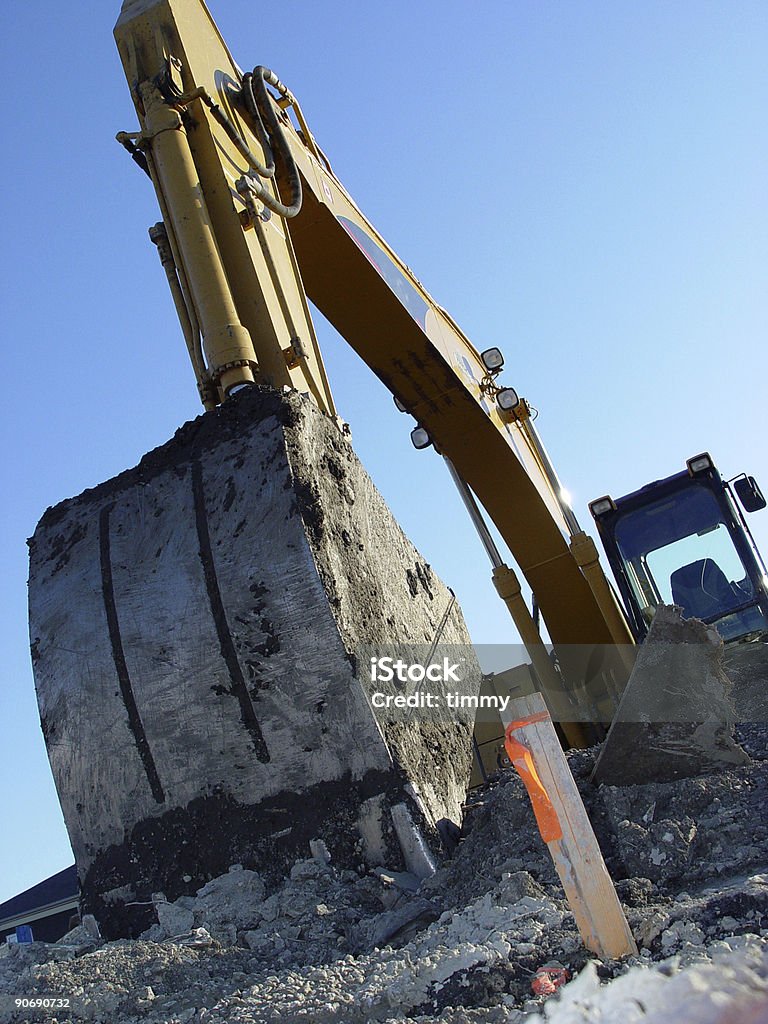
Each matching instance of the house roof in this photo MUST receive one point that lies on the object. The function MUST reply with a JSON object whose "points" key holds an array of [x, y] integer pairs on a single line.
{"points": [[54, 894]]}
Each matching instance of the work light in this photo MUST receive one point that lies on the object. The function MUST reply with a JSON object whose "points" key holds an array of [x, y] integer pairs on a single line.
{"points": [[507, 399], [492, 359], [699, 463], [600, 506], [420, 438]]}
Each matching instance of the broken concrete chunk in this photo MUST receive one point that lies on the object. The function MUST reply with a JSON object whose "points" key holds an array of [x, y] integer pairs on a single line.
{"points": [[320, 852], [401, 880], [648, 927], [305, 869], [79, 937], [370, 825], [394, 927], [416, 854], [173, 919], [198, 938]]}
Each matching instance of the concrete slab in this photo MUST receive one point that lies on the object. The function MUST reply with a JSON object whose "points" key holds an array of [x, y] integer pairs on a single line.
{"points": [[194, 623]]}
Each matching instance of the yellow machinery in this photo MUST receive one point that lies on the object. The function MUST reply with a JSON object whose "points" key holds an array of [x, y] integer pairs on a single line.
{"points": [[254, 221]]}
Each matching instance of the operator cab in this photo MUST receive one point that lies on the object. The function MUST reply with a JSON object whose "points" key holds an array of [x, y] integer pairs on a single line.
{"points": [[685, 541]]}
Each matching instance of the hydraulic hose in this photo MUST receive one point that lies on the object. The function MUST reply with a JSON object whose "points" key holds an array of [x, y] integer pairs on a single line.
{"points": [[261, 132], [260, 106], [137, 156], [234, 136]]}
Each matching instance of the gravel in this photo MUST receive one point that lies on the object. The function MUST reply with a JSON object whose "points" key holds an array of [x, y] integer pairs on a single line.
{"points": [[689, 859], [347, 948]]}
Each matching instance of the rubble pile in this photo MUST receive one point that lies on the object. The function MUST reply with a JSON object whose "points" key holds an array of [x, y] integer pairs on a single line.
{"points": [[690, 862]]}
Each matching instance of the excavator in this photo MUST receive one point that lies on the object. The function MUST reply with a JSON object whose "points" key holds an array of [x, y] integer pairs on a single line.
{"points": [[255, 223]]}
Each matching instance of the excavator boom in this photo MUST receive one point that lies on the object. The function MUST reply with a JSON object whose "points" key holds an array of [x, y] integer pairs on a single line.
{"points": [[257, 221]]}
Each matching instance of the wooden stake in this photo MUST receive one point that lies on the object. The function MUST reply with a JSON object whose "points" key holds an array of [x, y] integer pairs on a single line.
{"points": [[535, 751]]}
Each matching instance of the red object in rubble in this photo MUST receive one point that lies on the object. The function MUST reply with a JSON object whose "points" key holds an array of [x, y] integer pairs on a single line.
{"points": [[548, 979]]}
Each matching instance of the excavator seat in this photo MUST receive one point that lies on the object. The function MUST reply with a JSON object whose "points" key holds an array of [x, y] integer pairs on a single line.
{"points": [[702, 590]]}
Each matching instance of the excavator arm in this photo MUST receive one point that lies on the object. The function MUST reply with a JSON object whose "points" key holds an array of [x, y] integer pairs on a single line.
{"points": [[256, 221]]}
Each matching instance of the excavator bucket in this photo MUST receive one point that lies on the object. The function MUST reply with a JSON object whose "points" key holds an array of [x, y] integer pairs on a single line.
{"points": [[197, 625]]}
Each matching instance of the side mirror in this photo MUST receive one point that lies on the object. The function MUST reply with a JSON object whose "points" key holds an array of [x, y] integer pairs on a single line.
{"points": [[750, 495]]}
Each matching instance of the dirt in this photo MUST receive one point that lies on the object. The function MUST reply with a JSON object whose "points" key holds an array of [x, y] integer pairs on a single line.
{"points": [[690, 862]]}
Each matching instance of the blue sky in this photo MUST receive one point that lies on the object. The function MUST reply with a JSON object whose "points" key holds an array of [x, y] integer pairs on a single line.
{"points": [[581, 184]]}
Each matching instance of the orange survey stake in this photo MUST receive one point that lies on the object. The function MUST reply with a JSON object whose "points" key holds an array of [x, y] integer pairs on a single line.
{"points": [[520, 756]]}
